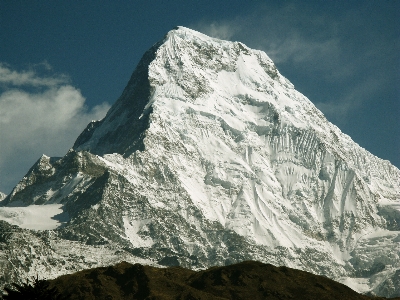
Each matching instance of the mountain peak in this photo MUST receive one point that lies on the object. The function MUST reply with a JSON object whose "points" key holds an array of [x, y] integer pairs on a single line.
{"points": [[210, 157], [184, 32], [190, 34], [185, 61]]}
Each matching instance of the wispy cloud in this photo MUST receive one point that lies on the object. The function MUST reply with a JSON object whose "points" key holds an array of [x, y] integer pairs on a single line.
{"points": [[351, 100], [29, 77], [285, 33], [316, 49], [44, 121], [224, 30], [294, 47]]}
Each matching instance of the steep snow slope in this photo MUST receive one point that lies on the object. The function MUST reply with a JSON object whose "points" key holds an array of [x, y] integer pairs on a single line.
{"points": [[210, 156], [38, 217]]}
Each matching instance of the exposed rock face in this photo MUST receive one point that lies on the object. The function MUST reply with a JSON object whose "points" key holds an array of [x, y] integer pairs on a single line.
{"points": [[211, 157], [25, 254]]}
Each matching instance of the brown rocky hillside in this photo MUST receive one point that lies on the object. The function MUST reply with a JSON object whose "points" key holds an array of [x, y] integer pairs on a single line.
{"points": [[246, 280]]}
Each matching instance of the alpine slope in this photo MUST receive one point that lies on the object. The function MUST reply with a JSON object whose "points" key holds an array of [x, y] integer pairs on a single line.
{"points": [[211, 157]]}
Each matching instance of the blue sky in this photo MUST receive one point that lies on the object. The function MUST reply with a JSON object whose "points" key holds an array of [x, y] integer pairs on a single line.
{"points": [[63, 63]]}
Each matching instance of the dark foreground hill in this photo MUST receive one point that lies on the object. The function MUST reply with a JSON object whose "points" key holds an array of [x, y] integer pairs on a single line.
{"points": [[246, 280]]}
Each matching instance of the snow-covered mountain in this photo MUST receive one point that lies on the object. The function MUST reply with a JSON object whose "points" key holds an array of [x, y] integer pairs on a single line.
{"points": [[210, 157]]}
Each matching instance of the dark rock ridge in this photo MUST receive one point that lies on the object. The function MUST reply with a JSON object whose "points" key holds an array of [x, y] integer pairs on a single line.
{"points": [[246, 280]]}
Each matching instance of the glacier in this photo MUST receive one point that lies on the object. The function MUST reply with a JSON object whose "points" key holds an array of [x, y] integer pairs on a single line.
{"points": [[211, 157]]}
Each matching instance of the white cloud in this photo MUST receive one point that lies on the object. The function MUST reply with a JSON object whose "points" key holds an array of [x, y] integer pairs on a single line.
{"points": [[220, 30], [41, 122], [298, 49], [29, 77], [286, 33]]}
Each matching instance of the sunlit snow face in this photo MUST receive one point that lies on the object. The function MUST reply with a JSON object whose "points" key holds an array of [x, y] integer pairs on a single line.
{"points": [[36, 217]]}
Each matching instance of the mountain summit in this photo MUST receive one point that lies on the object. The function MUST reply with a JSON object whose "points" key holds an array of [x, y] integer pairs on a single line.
{"points": [[211, 157]]}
